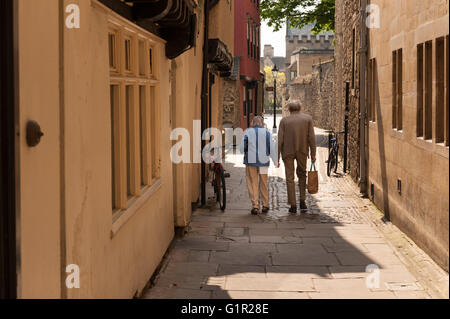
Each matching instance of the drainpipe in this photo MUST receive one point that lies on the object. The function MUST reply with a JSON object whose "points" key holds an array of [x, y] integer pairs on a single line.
{"points": [[208, 5], [362, 98], [204, 95]]}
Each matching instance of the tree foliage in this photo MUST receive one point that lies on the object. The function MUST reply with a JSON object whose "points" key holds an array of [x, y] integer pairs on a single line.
{"points": [[299, 13], [281, 80], [281, 77]]}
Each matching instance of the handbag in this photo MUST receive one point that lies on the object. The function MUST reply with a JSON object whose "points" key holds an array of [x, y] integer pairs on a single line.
{"points": [[313, 180]]}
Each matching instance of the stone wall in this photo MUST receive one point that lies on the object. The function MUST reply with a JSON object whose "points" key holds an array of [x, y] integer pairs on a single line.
{"points": [[316, 93], [231, 107], [409, 175], [347, 43]]}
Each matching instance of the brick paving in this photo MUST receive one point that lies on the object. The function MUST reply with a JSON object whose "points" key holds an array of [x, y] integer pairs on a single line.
{"points": [[322, 253]]}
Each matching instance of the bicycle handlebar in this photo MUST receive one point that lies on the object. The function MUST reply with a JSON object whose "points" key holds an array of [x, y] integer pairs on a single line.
{"points": [[332, 131]]}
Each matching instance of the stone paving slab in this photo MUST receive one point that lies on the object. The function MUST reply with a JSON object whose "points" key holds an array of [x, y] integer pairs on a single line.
{"points": [[203, 245], [233, 239], [273, 232], [395, 273], [318, 240], [191, 269], [303, 255], [252, 225], [344, 247], [270, 284], [242, 271], [275, 239], [191, 282], [176, 293], [241, 258], [353, 295], [232, 294], [295, 272]]}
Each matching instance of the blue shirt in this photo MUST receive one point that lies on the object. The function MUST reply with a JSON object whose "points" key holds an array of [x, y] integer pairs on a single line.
{"points": [[258, 147]]}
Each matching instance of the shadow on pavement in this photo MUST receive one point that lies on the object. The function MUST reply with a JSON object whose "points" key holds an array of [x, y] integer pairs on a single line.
{"points": [[321, 253]]}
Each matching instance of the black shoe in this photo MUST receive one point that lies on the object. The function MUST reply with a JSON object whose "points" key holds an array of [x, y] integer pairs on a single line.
{"points": [[303, 205], [293, 209], [255, 211], [265, 210]]}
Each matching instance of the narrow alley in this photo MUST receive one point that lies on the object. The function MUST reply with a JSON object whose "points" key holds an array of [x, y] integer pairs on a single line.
{"points": [[112, 115], [322, 253]]}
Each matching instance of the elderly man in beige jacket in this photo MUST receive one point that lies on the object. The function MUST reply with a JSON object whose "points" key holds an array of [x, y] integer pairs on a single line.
{"points": [[296, 139]]}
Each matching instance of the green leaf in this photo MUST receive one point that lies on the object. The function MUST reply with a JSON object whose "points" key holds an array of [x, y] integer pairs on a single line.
{"points": [[299, 13]]}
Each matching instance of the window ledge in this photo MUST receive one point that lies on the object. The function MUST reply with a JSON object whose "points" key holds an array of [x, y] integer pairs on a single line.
{"points": [[397, 134], [430, 146], [121, 217]]}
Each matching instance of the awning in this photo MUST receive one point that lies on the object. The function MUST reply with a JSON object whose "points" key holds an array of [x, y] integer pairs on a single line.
{"points": [[219, 57], [172, 20]]}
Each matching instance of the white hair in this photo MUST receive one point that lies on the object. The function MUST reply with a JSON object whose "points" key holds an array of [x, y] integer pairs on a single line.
{"points": [[258, 121]]}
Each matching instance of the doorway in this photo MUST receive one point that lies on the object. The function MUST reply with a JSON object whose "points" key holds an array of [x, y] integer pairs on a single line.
{"points": [[8, 279]]}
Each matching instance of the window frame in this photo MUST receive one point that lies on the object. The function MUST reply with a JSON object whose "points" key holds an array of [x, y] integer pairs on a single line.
{"points": [[143, 167], [397, 89]]}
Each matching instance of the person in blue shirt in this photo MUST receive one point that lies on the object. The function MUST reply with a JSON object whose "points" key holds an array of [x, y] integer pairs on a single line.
{"points": [[258, 148]]}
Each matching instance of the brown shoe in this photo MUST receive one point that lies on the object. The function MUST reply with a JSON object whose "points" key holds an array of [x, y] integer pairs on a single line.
{"points": [[303, 205]]}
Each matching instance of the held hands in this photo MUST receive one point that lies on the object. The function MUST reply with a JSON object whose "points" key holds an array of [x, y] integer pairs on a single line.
{"points": [[313, 159]]}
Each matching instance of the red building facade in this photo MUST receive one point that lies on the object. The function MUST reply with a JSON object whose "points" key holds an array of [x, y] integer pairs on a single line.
{"points": [[247, 47]]}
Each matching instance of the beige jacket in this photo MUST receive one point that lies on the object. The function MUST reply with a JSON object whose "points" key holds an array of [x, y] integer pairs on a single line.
{"points": [[296, 134]]}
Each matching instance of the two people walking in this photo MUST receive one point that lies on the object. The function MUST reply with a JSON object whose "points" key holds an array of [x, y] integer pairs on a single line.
{"points": [[296, 140]]}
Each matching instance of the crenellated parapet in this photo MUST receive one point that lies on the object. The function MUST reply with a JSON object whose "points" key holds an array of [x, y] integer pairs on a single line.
{"points": [[310, 38]]}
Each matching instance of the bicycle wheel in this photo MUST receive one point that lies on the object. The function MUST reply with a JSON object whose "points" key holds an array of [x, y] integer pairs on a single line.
{"points": [[331, 162], [221, 194], [336, 161]]}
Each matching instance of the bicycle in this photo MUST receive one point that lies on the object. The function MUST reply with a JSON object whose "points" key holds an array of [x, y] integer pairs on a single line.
{"points": [[333, 157], [218, 182]]}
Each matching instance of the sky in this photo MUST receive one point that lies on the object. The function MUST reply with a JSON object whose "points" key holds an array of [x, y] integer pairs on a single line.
{"points": [[276, 39]]}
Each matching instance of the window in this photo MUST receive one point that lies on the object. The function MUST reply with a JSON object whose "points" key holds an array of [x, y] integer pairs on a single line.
{"points": [[112, 51], [130, 140], [135, 117], [428, 94], [150, 54], [258, 44], [353, 57], [429, 83], [397, 89], [128, 53], [142, 59], [440, 91], [372, 96], [114, 96], [446, 97], [248, 36], [254, 41], [244, 94], [425, 90], [250, 101], [155, 133], [144, 135], [420, 89]]}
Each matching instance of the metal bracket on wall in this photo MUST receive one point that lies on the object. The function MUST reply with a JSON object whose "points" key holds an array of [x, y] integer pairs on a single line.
{"points": [[34, 133]]}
